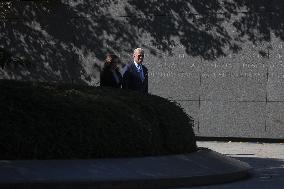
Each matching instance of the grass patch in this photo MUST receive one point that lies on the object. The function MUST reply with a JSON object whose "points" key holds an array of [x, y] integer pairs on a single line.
{"points": [[52, 121]]}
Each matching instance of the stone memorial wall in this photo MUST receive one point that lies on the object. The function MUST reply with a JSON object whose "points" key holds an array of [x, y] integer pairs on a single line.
{"points": [[222, 61]]}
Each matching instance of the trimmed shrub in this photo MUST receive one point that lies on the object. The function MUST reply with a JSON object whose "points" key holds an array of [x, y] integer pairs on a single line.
{"points": [[62, 121]]}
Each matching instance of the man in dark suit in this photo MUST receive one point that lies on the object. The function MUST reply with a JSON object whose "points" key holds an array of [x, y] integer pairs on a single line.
{"points": [[135, 76]]}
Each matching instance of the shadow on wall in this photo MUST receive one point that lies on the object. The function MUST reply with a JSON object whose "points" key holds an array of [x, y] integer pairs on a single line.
{"points": [[67, 40]]}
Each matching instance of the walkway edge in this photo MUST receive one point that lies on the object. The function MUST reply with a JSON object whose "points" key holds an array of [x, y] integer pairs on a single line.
{"points": [[203, 167]]}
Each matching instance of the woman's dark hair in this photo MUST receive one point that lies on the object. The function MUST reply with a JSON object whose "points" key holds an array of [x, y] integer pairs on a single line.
{"points": [[110, 58]]}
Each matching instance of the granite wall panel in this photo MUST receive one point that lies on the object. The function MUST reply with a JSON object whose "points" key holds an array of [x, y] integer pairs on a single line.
{"points": [[223, 62], [275, 121], [232, 119]]}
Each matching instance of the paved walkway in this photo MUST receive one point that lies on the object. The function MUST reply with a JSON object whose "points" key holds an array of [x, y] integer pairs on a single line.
{"points": [[199, 168], [203, 167], [266, 159]]}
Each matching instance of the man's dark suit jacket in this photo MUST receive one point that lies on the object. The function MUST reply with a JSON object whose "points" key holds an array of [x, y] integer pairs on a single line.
{"points": [[131, 79], [107, 79]]}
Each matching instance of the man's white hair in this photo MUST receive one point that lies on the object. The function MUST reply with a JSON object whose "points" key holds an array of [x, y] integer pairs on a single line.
{"points": [[138, 50]]}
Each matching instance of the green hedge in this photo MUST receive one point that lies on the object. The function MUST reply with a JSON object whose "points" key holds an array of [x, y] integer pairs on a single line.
{"points": [[52, 121]]}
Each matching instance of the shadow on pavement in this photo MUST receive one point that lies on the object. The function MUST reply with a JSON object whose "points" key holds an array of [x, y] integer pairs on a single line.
{"points": [[267, 173], [265, 169]]}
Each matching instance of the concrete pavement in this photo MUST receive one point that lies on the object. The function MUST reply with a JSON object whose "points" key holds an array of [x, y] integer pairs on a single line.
{"points": [[179, 172], [266, 159], [194, 169]]}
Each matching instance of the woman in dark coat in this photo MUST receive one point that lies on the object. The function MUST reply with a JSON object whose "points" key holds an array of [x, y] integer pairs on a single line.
{"points": [[110, 75]]}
